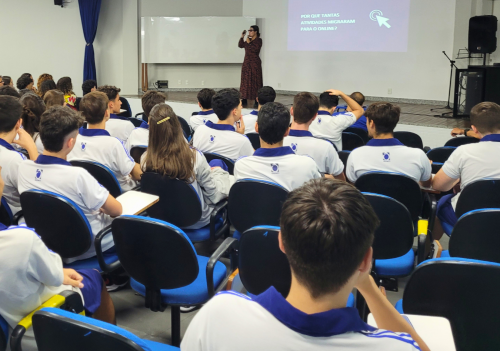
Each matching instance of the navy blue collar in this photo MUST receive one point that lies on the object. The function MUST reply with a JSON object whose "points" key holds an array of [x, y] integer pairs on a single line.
{"points": [[204, 113], [7, 145], [300, 133], [113, 116], [325, 113], [279, 151], [144, 125], [491, 137], [324, 324], [93, 132], [384, 142], [255, 113], [212, 125], [51, 160]]}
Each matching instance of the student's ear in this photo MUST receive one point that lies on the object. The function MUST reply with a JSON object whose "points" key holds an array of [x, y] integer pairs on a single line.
{"points": [[291, 111], [287, 132], [280, 240], [312, 120], [475, 130], [19, 124], [200, 105], [366, 264], [257, 99], [256, 127]]}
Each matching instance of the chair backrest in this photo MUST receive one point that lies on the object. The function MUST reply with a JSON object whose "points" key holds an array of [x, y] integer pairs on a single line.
{"points": [[344, 156], [394, 236], [60, 223], [439, 156], [400, 187], [351, 141], [186, 128], [477, 195], [5, 213], [141, 116], [161, 257], [254, 203], [4, 334], [135, 121], [136, 153], [456, 142], [476, 236], [179, 202], [463, 291], [358, 131], [126, 107], [56, 329], [229, 163], [102, 174], [261, 262], [410, 139], [254, 139]]}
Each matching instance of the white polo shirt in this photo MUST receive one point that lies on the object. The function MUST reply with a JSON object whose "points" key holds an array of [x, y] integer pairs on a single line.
{"points": [[10, 159], [222, 139], [202, 117], [330, 127], [138, 137], [269, 322], [98, 146], [250, 121], [279, 165], [119, 127], [388, 155], [473, 162], [58, 176], [322, 152], [38, 142]]}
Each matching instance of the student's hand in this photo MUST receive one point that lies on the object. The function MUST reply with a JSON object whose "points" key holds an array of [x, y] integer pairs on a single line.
{"points": [[26, 142], [2, 183], [334, 92], [457, 131], [71, 277], [240, 126], [365, 283], [213, 168]]}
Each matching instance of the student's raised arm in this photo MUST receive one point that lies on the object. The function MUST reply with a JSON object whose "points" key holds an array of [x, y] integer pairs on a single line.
{"points": [[357, 110], [26, 142], [112, 207], [136, 172]]}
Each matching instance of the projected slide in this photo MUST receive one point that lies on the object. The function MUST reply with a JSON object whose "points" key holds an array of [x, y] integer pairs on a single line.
{"points": [[348, 25]]}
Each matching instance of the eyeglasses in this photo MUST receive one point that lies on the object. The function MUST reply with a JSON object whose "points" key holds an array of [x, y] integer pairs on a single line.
{"points": [[251, 30]]}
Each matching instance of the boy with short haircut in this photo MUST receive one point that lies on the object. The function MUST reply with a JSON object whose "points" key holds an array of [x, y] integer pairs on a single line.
{"points": [[54, 98], [264, 95], [10, 158], [89, 86], [360, 99], [95, 143], [52, 172], [304, 112], [223, 138], [25, 82], [274, 162], [140, 135], [471, 162], [384, 153], [207, 113], [118, 127], [331, 127], [327, 230]]}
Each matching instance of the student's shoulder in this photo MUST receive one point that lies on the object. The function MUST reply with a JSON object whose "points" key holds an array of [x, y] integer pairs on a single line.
{"points": [[22, 235], [11, 155], [305, 160], [392, 340]]}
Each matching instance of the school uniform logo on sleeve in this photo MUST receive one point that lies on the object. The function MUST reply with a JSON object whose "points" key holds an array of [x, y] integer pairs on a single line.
{"points": [[38, 174], [204, 121], [275, 168], [294, 147], [212, 138], [387, 156], [319, 120], [84, 146]]}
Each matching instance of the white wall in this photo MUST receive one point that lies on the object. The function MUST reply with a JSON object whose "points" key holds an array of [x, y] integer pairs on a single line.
{"points": [[421, 73]]}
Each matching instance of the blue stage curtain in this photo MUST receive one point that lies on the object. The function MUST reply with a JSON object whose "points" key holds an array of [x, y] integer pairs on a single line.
{"points": [[89, 13]]}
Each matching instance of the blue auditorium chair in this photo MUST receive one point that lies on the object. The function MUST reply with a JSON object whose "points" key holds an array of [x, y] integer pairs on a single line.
{"points": [[63, 227], [410, 139], [439, 156], [254, 139], [462, 290], [344, 157], [229, 163], [456, 142], [137, 151], [4, 334], [164, 267], [351, 141], [186, 128], [59, 330], [102, 174], [363, 134], [180, 205]]}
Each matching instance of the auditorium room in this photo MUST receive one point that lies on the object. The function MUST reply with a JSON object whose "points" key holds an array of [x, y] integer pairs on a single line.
{"points": [[249, 175]]}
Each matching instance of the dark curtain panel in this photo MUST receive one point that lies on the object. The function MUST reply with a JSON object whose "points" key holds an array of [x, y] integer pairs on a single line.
{"points": [[89, 13]]}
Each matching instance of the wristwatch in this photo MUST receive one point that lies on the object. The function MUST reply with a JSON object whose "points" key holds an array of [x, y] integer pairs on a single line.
{"points": [[466, 130]]}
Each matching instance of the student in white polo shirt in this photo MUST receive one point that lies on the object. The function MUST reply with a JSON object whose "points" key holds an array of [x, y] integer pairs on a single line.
{"points": [[264, 95], [274, 162], [52, 172], [10, 158], [327, 230], [360, 99], [384, 153], [223, 138], [207, 113], [304, 112], [119, 127], [95, 144], [140, 135], [471, 162], [331, 127]]}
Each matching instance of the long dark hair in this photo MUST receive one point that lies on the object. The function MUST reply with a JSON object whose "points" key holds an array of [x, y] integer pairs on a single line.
{"points": [[45, 87], [33, 108], [256, 28], [64, 84]]}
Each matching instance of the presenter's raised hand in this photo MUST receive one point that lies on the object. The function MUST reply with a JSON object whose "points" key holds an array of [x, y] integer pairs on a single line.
{"points": [[243, 34]]}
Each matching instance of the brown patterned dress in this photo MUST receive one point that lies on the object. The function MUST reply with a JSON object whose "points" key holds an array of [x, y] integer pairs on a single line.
{"points": [[251, 71]]}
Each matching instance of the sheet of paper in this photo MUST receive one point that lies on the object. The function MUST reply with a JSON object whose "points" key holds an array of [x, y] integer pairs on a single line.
{"points": [[135, 202]]}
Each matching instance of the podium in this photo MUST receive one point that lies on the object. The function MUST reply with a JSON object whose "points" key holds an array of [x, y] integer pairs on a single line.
{"points": [[474, 85]]}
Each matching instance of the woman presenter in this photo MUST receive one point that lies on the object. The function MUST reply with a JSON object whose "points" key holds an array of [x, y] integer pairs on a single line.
{"points": [[251, 71]]}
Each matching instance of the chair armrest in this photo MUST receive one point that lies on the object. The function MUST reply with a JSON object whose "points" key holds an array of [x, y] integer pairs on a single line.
{"points": [[227, 245], [221, 206], [69, 299], [98, 249], [17, 217], [432, 216]]}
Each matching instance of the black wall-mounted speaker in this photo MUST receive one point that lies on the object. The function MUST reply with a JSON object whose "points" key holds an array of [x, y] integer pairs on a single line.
{"points": [[58, 3], [483, 34]]}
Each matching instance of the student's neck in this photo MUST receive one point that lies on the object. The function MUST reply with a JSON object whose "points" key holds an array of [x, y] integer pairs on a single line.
{"points": [[330, 111], [60, 154], [384, 136], [300, 298], [259, 107], [297, 126], [10, 136], [101, 125], [205, 109], [229, 121], [265, 145]]}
